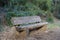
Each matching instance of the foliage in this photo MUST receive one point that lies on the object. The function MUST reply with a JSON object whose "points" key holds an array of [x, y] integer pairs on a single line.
{"points": [[28, 8], [57, 9]]}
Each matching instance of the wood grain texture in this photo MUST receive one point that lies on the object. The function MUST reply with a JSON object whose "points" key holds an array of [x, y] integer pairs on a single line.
{"points": [[25, 20]]}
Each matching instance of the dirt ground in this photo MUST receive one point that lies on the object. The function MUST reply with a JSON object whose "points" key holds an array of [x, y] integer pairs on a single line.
{"points": [[52, 34]]}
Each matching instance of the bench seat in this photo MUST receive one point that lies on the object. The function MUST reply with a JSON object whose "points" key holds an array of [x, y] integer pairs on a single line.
{"points": [[31, 26]]}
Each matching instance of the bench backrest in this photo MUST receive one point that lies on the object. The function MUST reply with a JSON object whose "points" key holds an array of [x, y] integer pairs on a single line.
{"points": [[25, 20]]}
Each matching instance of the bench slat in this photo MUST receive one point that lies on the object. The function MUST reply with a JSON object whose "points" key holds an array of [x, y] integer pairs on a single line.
{"points": [[34, 25], [25, 20]]}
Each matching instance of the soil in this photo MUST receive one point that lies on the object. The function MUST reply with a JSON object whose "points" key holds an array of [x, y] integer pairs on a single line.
{"points": [[53, 34]]}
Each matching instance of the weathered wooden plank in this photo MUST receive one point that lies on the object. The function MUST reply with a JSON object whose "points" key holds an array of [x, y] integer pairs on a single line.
{"points": [[25, 20], [33, 25]]}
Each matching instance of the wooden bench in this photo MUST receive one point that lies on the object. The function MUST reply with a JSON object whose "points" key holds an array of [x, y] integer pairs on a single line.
{"points": [[27, 23]]}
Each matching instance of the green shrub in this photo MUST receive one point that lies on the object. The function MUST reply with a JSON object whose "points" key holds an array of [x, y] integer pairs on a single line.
{"points": [[18, 8], [49, 19], [16, 14]]}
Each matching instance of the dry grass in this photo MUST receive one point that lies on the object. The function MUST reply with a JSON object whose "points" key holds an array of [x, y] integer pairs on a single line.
{"points": [[12, 34]]}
